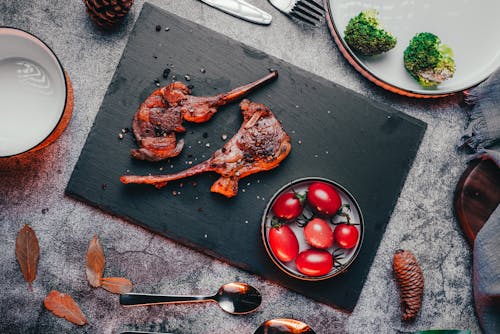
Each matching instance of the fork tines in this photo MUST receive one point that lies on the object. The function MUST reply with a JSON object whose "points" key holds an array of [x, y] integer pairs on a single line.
{"points": [[308, 11]]}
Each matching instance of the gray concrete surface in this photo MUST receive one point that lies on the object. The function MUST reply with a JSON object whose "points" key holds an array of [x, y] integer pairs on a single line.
{"points": [[32, 191]]}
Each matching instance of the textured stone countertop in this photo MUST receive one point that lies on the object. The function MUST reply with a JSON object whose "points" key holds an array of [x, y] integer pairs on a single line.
{"points": [[32, 192]]}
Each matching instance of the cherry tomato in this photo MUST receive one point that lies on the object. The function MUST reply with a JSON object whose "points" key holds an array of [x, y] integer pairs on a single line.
{"points": [[346, 235], [284, 243], [288, 206], [314, 262], [323, 198], [318, 233]]}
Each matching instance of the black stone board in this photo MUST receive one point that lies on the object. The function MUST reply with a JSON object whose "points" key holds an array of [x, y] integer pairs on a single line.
{"points": [[336, 134]]}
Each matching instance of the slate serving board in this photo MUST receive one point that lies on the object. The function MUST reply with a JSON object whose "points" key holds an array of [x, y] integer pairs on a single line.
{"points": [[336, 134]]}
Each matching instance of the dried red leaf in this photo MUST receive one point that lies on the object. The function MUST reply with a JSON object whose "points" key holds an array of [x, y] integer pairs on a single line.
{"points": [[95, 262], [27, 253], [63, 306], [117, 285]]}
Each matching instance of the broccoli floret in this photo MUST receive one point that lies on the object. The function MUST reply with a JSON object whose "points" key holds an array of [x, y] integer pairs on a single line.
{"points": [[364, 34], [428, 60]]}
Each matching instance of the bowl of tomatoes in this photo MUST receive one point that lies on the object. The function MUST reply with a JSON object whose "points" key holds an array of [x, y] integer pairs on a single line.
{"points": [[312, 229]]}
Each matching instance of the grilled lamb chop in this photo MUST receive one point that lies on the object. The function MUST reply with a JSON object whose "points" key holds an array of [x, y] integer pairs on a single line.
{"points": [[160, 117], [260, 144]]}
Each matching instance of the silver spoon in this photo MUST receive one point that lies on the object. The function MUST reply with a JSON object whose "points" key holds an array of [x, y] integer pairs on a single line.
{"points": [[274, 326], [277, 326], [234, 298]]}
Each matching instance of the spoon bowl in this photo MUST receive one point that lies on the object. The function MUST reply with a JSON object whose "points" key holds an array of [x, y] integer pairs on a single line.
{"points": [[233, 298], [278, 326], [238, 298]]}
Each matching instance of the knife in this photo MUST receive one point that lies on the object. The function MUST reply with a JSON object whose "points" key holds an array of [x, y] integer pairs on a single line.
{"points": [[241, 9]]}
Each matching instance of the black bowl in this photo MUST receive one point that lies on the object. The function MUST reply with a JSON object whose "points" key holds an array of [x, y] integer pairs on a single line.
{"points": [[343, 257]]}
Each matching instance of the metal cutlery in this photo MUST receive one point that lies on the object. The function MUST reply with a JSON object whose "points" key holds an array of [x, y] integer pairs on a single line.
{"points": [[274, 326], [234, 298], [241, 9], [277, 326], [308, 11]]}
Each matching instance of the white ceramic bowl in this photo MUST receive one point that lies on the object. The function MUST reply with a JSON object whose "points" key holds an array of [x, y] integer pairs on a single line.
{"points": [[469, 27], [33, 91]]}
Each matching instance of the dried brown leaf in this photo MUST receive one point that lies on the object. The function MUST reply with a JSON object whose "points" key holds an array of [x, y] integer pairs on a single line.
{"points": [[117, 285], [27, 253], [63, 306], [95, 262]]}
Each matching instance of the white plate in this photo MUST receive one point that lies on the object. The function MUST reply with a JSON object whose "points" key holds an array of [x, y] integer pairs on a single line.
{"points": [[32, 91], [469, 27]]}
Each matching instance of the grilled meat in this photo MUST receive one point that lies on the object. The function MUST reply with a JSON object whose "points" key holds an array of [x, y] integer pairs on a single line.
{"points": [[260, 144], [160, 117]]}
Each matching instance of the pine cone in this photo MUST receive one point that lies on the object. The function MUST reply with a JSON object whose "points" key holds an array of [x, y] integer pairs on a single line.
{"points": [[107, 13], [411, 282]]}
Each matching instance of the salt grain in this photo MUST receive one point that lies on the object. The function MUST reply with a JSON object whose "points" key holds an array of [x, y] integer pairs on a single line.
{"points": [[207, 144]]}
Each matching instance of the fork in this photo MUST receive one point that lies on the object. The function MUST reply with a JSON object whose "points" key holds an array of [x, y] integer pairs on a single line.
{"points": [[306, 10]]}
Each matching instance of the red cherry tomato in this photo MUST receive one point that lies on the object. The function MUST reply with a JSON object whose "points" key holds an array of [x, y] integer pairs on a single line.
{"points": [[284, 243], [346, 235], [288, 206], [318, 233], [323, 198], [314, 262]]}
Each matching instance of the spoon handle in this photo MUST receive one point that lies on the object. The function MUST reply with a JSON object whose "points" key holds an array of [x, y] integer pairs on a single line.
{"points": [[143, 299]]}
